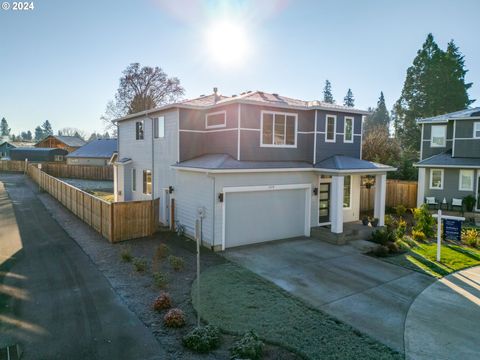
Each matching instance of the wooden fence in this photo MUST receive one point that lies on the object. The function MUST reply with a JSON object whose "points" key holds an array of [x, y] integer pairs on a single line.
{"points": [[115, 221], [398, 193], [9, 165]]}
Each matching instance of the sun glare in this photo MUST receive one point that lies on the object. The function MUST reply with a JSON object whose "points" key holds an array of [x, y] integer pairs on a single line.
{"points": [[227, 43]]}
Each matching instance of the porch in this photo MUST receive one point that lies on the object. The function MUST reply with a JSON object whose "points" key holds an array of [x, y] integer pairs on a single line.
{"points": [[351, 231]]}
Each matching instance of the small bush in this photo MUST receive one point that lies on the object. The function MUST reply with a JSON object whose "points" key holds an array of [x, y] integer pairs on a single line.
{"points": [[176, 262], [383, 236], [248, 347], [174, 318], [393, 248], [140, 264], [162, 302], [418, 235], [424, 221], [410, 242], [126, 255], [160, 280], [400, 210], [381, 251], [471, 237], [390, 222], [401, 229], [202, 339], [162, 251], [402, 245]]}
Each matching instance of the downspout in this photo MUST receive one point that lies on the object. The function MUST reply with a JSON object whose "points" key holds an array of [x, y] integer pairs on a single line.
{"points": [[153, 163]]}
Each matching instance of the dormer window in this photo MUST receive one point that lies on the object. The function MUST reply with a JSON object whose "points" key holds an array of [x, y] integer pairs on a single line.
{"points": [[278, 129], [216, 120], [439, 136], [476, 130]]}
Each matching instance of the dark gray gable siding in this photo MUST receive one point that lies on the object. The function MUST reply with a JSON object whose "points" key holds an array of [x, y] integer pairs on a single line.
{"points": [[466, 148], [428, 150]]}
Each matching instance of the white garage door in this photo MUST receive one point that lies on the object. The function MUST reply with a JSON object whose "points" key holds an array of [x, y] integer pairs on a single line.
{"points": [[264, 215]]}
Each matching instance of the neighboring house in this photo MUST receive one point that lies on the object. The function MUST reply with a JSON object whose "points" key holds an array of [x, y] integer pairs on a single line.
{"points": [[97, 152], [69, 143], [34, 154], [6, 146], [449, 166], [258, 166]]}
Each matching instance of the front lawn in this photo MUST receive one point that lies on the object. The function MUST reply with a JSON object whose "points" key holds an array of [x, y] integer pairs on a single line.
{"points": [[237, 300], [423, 258]]}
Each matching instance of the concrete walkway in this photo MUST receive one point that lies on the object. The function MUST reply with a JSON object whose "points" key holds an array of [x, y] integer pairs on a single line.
{"points": [[53, 300], [444, 320], [369, 294]]}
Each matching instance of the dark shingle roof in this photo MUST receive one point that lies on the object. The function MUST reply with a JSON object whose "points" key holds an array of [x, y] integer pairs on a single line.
{"points": [[100, 148], [446, 159], [38, 150], [462, 114], [340, 162]]}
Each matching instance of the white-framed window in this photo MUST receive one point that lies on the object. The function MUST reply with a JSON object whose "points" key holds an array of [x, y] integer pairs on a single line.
{"points": [[436, 179], [465, 181], [134, 179], [58, 157], [439, 136], [139, 133], [476, 130], [278, 129], [159, 127], [348, 129], [347, 192], [216, 120], [330, 128], [147, 182]]}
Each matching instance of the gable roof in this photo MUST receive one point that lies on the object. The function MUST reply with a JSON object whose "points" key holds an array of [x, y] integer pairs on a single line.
{"points": [[99, 148], [344, 163], [445, 159], [73, 141], [464, 114]]}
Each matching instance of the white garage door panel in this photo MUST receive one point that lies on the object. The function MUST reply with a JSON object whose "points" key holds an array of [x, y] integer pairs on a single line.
{"points": [[258, 216]]}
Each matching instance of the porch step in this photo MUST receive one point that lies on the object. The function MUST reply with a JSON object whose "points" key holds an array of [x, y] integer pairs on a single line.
{"points": [[351, 232]]}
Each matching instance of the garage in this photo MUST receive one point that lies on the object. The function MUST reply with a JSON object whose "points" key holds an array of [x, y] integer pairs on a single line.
{"points": [[262, 213]]}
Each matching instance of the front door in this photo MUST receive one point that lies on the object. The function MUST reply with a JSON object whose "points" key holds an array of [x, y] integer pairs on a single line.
{"points": [[324, 203]]}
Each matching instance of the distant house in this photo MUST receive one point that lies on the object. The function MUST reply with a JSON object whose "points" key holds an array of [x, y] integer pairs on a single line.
{"points": [[69, 143], [35, 154], [6, 146], [97, 152]]}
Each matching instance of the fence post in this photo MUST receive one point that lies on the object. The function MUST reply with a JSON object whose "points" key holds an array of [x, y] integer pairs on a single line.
{"points": [[112, 225]]}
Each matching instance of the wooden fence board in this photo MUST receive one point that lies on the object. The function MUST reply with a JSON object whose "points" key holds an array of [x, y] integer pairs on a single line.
{"points": [[398, 192]]}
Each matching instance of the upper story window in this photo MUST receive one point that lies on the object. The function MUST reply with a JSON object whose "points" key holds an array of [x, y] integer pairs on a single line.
{"points": [[439, 136], [147, 182], [330, 128], [139, 130], [348, 130], [279, 129], [476, 130], [216, 120], [159, 127]]}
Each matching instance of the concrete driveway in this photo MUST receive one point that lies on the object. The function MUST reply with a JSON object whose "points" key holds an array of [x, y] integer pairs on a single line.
{"points": [[369, 294]]}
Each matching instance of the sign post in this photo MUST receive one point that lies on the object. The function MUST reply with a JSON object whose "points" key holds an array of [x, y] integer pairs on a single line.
{"points": [[452, 229], [198, 238]]}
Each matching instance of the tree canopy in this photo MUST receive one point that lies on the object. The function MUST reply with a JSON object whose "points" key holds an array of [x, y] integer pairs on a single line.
{"points": [[46, 129], [379, 117], [38, 133], [4, 129], [327, 93], [349, 100]]}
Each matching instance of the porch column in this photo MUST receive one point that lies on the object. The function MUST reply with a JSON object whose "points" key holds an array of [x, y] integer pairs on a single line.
{"points": [[421, 186], [380, 192], [336, 205]]}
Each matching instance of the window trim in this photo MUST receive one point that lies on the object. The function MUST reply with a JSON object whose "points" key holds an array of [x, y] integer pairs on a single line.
{"points": [[350, 194], [295, 115], [334, 128], [431, 178], [143, 130], [444, 139], [144, 182], [460, 179], [156, 127], [134, 179], [475, 125], [345, 129], [224, 112]]}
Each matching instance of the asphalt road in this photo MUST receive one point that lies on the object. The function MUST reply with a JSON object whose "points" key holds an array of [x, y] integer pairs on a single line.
{"points": [[53, 300]]}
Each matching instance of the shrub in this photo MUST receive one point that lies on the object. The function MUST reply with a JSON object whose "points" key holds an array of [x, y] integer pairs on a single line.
{"points": [[160, 279], [381, 251], [383, 236], [174, 318], [401, 229], [424, 221], [402, 245], [471, 237], [140, 264], [162, 302], [177, 263], [248, 347], [409, 241], [126, 255], [469, 202], [390, 222], [392, 248], [162, 251], [400, 210], [418, 235], [202, 339]]}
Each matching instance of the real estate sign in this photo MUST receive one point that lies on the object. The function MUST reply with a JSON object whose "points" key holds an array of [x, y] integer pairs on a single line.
{"points": [[452, 229]]}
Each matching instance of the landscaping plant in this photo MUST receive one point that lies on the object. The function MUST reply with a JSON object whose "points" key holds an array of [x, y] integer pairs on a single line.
{"points": [[140, 264], [424, 221], [162, 302], [402, 245], [418, 235], [471, 237], [203, 339], [409, 241], [174, 318], [248, 347], [160, 279], [162, 251], [126, 255], [381, 251], [401, 229], [176, 262], [383, 236], [400, 210], [469, 202]]}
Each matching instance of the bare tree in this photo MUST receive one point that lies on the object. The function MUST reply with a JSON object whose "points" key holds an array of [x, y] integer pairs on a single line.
{"points": [[378, 146], [69, 131], [141, 88]]}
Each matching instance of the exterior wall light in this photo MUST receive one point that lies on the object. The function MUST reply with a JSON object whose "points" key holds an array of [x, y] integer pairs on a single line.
{"points": [[315, 191], [220, 197]]}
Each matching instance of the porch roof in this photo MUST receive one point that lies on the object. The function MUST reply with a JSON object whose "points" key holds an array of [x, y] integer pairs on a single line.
{"points": [[445, 159], [341, 163]]}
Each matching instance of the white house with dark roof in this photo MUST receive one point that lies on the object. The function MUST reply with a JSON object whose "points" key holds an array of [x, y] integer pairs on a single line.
{"points": [[97, 152], [260, 166]]}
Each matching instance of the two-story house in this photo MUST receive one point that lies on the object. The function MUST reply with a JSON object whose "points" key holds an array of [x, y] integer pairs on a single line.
{"points": [[259, 166], [449, 166]]}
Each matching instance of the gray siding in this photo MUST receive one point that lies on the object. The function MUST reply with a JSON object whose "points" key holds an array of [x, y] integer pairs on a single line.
{"points": [[450, 186], [428, 150], [465, 144]]}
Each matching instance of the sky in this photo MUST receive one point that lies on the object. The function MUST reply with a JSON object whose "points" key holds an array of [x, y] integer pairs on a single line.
{"points": [[62, 60]]}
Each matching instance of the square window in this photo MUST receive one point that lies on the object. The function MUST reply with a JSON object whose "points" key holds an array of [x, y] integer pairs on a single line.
{"points": [[465, 182], [436, 179], [279, 129], [476, 130], [439, 136]]}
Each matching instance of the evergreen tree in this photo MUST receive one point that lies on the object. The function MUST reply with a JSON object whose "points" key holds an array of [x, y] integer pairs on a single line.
{"points": [[4, 129], [92, 137], [26, 135], [106, 135], [327, 93], [434, 85], [47, 128], [349, 100], [38, 133], [379, 116]]}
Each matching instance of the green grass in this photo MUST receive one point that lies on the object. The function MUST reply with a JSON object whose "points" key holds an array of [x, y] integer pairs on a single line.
{"points": [[104, 195], [423, 258], [237, 300]]}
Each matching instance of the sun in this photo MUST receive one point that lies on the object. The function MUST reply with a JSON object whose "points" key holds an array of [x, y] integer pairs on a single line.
{"points": [[227, 43]]}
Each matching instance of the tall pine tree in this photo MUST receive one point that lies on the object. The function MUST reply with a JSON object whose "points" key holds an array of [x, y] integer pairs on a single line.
{"points": [[38, 133], [379, 116], [4, 129], [435, 84], [349, 100], [327, 93], [47, 128]]}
